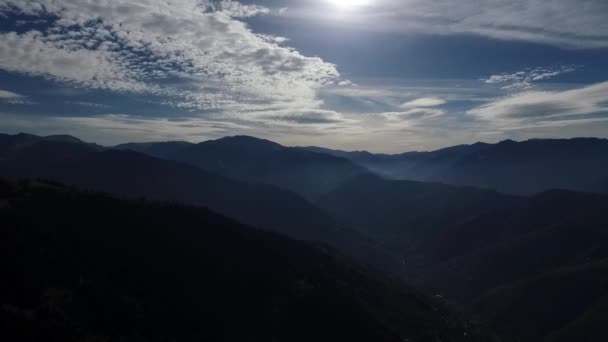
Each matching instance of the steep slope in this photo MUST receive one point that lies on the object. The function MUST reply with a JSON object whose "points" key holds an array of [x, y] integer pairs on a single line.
{"points": [[133, 174], [84, 266], [535, 271], [564, 305], [512, 167], [261, 161], [403, 215]]}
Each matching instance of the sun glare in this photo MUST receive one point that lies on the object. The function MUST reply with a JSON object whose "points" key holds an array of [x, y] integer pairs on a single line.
{"points": [[349, 3]]}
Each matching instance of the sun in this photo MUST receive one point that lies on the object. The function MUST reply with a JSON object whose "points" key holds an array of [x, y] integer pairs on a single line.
{"points": [[349, 3]]}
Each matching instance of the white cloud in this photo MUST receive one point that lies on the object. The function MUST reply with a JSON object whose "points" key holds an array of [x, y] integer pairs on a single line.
{"points": [[414, 112], [545, 104], [31, 53], [9, 95], [14, 98], [413, 115], [424, 102], [236, 9], [194, 53], [291, 117], [525, 79]]}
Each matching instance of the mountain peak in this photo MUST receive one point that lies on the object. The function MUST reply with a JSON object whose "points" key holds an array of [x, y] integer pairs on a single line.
{"points": [[244, 141], [246, 138], [63, 138]]}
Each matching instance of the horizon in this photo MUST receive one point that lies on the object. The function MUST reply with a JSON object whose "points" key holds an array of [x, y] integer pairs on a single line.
{"points": [[300, 146], [378, 75]]}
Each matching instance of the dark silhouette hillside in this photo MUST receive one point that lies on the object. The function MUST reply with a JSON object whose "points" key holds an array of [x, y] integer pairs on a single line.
{"points": [[533, 268], [404, 215], [86, 266], [537, 271], [137, 175]]}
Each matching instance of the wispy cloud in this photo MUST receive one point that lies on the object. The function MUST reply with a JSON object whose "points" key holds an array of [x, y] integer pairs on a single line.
{"points": [[546, 104], [423, 102], [9, 95], [88, 104], [413, 112], [526, 78], [14, 98]]}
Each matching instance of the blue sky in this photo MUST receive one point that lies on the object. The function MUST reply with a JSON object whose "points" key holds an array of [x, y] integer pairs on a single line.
{"points": [[381, 75]]}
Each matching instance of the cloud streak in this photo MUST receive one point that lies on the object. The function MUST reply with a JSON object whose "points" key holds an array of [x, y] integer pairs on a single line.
{"points": [[423, 102], [9, 95], [591, 99]]}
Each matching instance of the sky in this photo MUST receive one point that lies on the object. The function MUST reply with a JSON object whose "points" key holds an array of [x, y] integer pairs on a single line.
{"points": [[379, 75]]}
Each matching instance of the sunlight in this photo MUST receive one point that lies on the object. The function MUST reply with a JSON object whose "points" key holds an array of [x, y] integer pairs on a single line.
{"points": [[349, 3]]}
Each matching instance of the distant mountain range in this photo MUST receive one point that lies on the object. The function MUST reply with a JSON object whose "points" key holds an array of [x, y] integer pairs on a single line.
{"points": [[488, 232], [523, 168], [259, 161]]}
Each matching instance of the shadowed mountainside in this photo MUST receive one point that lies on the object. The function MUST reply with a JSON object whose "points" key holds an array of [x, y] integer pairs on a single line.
{"points": [[137, 175], [534, 268], [403, 215], [536, 271], [85, 266]]}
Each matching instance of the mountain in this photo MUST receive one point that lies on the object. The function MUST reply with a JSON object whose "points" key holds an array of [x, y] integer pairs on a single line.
{"points": [[163, 150], [31, 146], [403, 215], [535, 271], [568, 304], [83, 266], [533, 268], [137, 175], [261, 161], [523, 168]]}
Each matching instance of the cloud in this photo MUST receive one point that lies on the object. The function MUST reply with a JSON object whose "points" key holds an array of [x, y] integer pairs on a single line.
{"points": [[546, 104], [236, 9], [564, 23], [424, 102], [111, 129], [9, 95], [14, 98], [525, 79], [194, 54], [304, 117], [88, 104], [359, 91], [33, 53], [414, 114]]}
